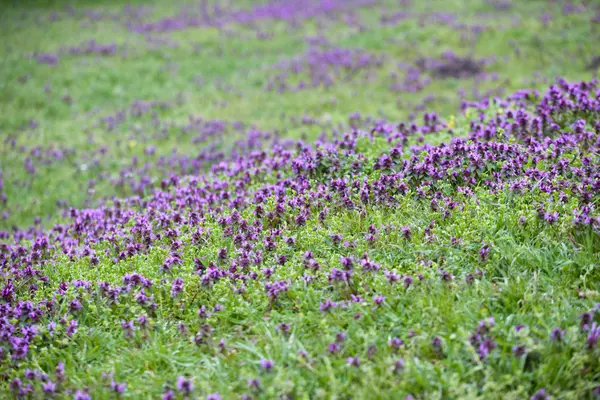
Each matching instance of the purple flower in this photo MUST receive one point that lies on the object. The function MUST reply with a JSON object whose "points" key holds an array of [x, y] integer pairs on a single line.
{"points": [[485, 347], [336, 238], [82, 395], [202, 313], [128, 327], [72, 327], [378, 300], [558, 335], [519, 351], [445, 275], [59, 372], [593, 335], [283, 327], [213, 396], [327, 305], [586, 319], [371, 350], [275, 288], [347, 262], [15, 384], [75, 305], [406, 232], [47, 58], [267, 365], [49, 387], [540, 395], [176, 287], [29, 374], [392, 276], [143, 321], [398, 365], [222, 346], [118, 388], [353, 361], [368, 265], [184, 385], [396, 343], [302, 353], [484, 252], [551, 217]]}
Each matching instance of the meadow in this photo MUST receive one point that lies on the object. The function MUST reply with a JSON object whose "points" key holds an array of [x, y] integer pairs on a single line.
{"points": [[307, 199]]}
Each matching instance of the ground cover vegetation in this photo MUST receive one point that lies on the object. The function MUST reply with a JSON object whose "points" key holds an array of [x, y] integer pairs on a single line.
{"points": [[300, 199]]}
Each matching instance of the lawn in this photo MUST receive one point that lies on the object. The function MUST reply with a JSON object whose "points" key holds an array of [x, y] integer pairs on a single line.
{"points": [[308, 199]]}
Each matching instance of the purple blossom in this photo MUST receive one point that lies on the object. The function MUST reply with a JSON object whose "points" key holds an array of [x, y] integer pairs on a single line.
{"points": [[484, 252], [49, 387], [327, 305], [333, 348], [82, 395], [396, 343], [169, 395], [406, 232], [558, 335], [445, 275], [59, 372], [128, 327], [519, 351], [378, 300], [176, 287], [47, 58], [540, 395], [398, 365], [184, 385], [593, 335], [72, 327], [118, 388], [266, 365], [340, 337], [347, 263], [353, 362]]}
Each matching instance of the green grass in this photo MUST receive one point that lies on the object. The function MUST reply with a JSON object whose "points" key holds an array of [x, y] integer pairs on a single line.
{"points": [[535, 276]]}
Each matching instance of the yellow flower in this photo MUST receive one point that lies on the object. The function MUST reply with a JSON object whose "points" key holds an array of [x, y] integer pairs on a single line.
{"points": [[451, 122]]}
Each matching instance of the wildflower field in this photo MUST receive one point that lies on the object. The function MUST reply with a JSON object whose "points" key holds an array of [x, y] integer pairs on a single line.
{"points": [[300, 199]]}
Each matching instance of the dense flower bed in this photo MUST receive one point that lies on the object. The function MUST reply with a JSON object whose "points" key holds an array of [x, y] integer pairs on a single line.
{"points": [[305, 229]]}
